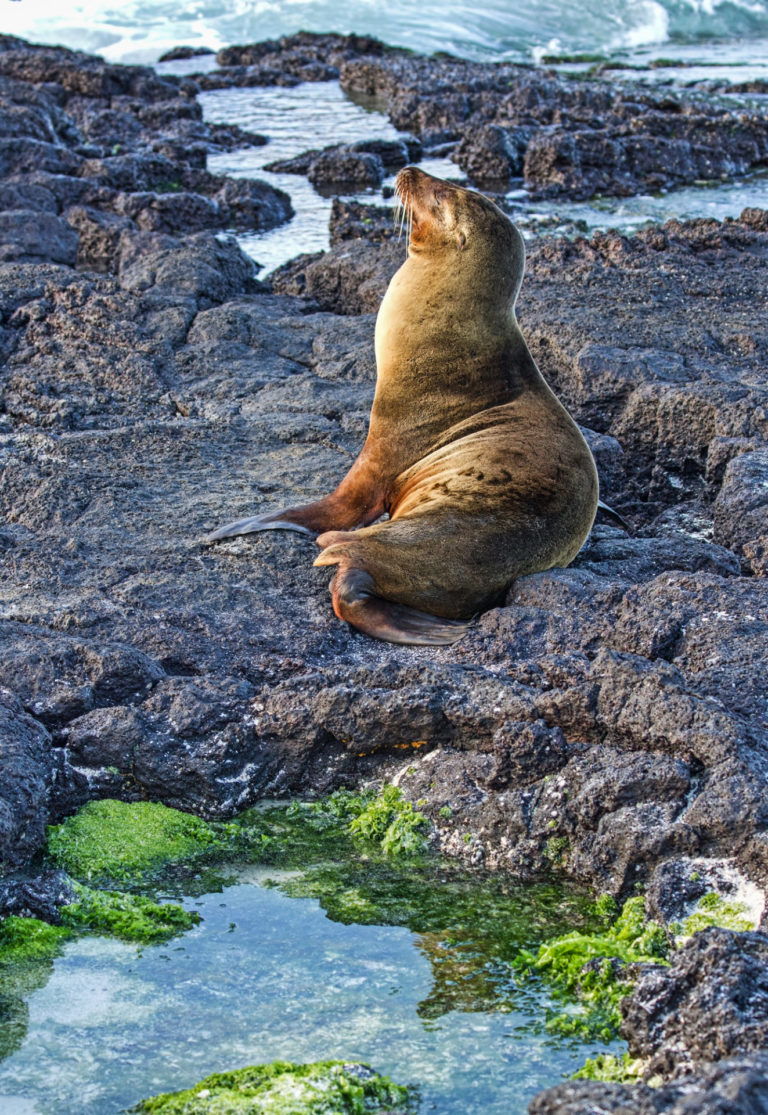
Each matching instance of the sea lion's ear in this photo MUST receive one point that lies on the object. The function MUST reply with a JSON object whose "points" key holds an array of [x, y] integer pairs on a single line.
{"points": [[462, 241]]}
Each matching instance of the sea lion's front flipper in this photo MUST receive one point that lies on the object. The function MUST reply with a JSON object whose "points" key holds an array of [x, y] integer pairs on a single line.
{"points": [[355, 600], [357, 501], [267, 521]]}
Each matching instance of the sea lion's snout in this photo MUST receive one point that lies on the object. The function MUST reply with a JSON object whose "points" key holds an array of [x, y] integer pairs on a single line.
{"points": [[405, 181], [415, 186], [427, 202]]}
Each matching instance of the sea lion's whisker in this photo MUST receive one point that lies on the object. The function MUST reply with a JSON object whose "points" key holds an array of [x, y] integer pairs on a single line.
{"points": [[403, 215], [397, 217]]}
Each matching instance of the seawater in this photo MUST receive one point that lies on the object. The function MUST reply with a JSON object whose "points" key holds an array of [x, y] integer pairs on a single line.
{"points": [[139, 30], [723, 39], [266, 976], [316, 115]]}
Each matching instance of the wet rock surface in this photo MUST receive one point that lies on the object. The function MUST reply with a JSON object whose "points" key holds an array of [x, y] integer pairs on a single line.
{"points": [[573, 138], [711, 1002], [41, 897], [736, 1086], [561, 137], [354, 165], [609, 718]]}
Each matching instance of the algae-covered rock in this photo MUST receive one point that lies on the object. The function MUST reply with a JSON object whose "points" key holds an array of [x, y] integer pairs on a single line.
{"points": [[282, 1088], [118, 840], [127, 916], [28, 941], [597, 970], [28, 948]]}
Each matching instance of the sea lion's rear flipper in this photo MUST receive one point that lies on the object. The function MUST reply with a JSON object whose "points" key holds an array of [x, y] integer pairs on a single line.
{"points": [[355, 600], [267, 521]]}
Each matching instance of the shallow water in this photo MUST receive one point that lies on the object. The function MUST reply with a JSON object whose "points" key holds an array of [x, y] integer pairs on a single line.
{"points": [[319, 114], [309, 115], [267, 976], [628, 214]]}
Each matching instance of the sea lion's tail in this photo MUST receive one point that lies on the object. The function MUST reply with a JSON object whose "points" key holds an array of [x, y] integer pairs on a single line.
{"points": [[355, 600], [617, 518]]}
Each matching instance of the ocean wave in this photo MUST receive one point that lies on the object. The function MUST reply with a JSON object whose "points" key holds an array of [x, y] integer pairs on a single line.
{"points": [[142, 29]]}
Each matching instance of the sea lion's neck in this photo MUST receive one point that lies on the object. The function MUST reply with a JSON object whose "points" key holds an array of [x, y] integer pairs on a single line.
{"points": [[445, 350], [438, 322]]}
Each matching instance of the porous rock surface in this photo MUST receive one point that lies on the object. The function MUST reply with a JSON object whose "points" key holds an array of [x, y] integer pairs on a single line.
{"points": [[712, 1001], [94, 156], [610, 717], [736, 1086]]}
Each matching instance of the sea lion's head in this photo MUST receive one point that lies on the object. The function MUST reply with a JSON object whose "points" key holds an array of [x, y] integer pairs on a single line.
{"points": [[445, 220]]}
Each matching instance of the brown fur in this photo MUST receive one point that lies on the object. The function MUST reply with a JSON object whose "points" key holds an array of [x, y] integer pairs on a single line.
{"points": [[483, 473]]}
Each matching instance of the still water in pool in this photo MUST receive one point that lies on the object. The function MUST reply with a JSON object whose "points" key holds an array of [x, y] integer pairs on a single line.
{"points": [[408, 970]]}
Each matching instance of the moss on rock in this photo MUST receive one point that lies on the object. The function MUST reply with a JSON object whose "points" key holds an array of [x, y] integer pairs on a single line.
{"points": [[282, 1088], [126, 841]]}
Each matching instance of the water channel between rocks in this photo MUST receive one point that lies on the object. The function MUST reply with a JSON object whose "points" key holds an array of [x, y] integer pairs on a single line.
{"points": [[429, 998], [317, 115]]}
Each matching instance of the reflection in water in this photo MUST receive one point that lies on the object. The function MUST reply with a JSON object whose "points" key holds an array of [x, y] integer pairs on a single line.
{"points": [[409, 971]]}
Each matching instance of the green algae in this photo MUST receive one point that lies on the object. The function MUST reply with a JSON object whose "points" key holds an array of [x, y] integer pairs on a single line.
{"points": [[470, 927], [123, 841], [572, 59], [607, 1067], [283, 1088], [29, 941], [104, 840], [587, 970], [385, 819], [391, 822], [714, 910], [128, 917], [28, 948], [132, 843]]}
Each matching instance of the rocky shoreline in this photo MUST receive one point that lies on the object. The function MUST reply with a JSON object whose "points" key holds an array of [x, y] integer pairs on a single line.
{"points": [[609, 722]]}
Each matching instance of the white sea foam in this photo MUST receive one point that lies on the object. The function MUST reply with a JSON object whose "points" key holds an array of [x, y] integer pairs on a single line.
{"points": [[139, 30], [650, 25]]}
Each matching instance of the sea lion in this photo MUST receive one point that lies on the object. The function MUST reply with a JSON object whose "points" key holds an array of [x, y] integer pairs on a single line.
{"points": [[483, 473]]}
